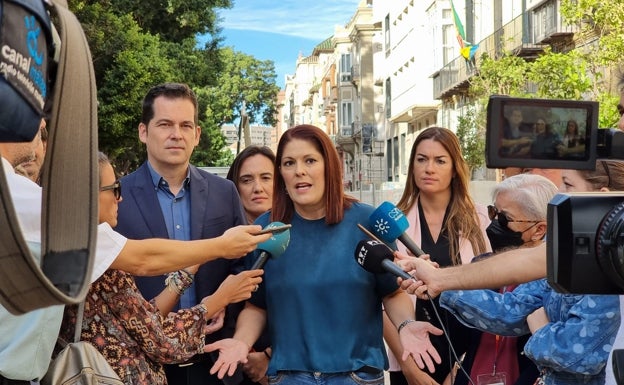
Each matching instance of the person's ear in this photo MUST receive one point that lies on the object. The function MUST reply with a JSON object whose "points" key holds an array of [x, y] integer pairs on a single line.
{"points": [[540, 231], [604, 189]]}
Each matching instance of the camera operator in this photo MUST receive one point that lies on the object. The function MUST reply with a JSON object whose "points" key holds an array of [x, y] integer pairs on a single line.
{"points": [[514, 266]]}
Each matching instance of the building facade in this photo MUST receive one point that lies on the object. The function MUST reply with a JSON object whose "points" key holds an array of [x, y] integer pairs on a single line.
{"points": [[395, 69]]}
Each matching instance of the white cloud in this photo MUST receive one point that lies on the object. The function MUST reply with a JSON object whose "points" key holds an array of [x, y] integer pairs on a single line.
{"points": [[314, 20]]}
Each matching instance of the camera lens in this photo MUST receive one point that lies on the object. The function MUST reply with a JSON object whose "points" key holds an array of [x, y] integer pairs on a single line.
{"points": [[610, 244]]}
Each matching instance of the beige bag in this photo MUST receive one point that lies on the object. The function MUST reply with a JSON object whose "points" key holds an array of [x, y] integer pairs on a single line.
{"points": [[80, 363]]}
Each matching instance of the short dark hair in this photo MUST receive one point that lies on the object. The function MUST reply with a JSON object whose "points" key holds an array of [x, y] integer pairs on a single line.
{"points": [[168, 90], [234, 171]]}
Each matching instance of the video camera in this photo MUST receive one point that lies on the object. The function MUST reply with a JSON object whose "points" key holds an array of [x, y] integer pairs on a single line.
{"points": [[585, 236]]}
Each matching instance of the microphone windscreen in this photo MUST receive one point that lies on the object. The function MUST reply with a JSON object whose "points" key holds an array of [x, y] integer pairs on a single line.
{"points": [[388, 222], [277, 244], [371, 254]]}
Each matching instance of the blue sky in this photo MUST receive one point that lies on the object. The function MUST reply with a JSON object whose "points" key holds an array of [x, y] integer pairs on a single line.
{"points": [[278, 30]]}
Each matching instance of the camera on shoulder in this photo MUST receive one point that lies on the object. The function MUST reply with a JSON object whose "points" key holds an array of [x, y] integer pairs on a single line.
{"points": [[585, 236]]}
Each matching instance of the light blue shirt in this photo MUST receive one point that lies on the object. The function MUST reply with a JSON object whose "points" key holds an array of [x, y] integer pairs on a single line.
{"points": [[27, 340], [176, 211]]}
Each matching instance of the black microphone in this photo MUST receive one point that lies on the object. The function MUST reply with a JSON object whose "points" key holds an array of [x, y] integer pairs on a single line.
{"points": [[376, 257], [272, 247], [389, 223]]}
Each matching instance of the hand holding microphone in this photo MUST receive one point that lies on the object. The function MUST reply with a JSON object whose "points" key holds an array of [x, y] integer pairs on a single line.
{"points": [[389, 224], [376, 257], [274, 246]]}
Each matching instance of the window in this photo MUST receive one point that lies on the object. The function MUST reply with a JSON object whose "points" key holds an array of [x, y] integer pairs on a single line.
{"points": [[448, 43], [345, 67], [346, 118], [388, 99], [544, 21], [387, 34]]}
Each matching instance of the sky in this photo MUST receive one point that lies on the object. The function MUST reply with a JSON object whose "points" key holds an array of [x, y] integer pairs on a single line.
{"points": [[279, 30]]}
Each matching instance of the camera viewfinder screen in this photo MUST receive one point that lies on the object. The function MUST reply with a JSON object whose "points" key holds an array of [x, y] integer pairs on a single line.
{"points": [[546, 133], [538, 132]]}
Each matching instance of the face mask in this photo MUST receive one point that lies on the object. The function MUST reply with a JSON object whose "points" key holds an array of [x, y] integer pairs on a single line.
{"points": [[501, 237]]}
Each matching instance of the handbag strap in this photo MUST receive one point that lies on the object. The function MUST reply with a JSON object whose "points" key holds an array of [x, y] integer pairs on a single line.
{"points": [[79, 317], [70, 188]]}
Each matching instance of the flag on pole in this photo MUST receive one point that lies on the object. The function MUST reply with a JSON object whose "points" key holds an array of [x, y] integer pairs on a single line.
{"points": [[466, 49]]}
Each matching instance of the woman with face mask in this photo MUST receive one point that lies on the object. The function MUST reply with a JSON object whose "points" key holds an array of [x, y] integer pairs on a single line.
{"points": [[570, 335], [518, 216]]}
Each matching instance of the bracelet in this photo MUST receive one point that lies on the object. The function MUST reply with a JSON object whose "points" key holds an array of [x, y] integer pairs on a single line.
{"points": [[404, 324], [179, 281], [267, 354]]}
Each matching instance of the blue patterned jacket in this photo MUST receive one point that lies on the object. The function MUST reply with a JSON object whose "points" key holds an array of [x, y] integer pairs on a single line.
{"points": [[572, 349]]}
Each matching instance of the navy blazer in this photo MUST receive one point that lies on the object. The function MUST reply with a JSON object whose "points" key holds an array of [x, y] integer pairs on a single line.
{"points": [[215, 207]]}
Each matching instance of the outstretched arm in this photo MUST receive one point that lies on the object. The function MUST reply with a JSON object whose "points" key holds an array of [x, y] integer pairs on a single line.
{"points": [[508, 268], [158, 256], [235, 350], [414, 335]]}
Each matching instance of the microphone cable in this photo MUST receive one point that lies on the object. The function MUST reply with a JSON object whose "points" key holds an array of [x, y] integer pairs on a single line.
{"points": [[448, 339]]}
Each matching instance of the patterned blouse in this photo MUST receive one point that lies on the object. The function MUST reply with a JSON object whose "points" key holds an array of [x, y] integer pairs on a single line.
{"points": [[571, 349], [132, 335]]}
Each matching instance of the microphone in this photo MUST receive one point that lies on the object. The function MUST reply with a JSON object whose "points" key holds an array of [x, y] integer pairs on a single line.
{"points": [[389, 223], [376, 257], [272, 247]]}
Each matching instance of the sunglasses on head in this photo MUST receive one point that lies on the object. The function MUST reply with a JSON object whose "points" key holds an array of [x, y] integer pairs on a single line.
{"points": [[502, 218], [116, 187]]}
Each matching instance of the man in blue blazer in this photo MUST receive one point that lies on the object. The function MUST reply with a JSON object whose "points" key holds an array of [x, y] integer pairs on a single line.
{"points": [[167, 197]]}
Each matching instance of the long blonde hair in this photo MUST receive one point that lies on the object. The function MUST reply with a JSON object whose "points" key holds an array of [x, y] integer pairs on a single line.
{"points": [[462, 213]]}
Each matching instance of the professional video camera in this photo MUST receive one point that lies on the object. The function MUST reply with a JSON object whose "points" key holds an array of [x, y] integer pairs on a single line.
{"points": [[585, 237]]}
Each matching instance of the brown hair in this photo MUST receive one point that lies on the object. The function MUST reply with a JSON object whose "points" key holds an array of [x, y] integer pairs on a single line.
{"points": [[462, 217], [234, 171], [608, 173], [335, 199]]}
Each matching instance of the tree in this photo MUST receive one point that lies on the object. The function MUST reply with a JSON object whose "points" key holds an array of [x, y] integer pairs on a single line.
{"points": [[603, 20], [503, 76], [136, 45], [471, 134], [560, 75], [242, 79], [172, 20]]}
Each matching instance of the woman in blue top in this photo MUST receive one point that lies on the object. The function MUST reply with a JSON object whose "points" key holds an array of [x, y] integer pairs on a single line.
{"points": [[325, 311]]}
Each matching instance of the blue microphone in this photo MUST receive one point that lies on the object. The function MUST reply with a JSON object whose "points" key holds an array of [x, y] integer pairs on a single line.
{"points": [[389, 224], [274, 246]]}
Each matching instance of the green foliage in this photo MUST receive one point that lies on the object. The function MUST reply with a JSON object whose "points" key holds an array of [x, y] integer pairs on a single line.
{"points": [[242, 79], [173, 20], [573, 75], [560, 76], [136, 45], [604, 19], [471, 134], [609, 115], [504, 76]]}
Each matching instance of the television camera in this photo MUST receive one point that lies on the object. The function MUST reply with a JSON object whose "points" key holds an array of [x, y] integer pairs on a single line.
{"points": [[585, 236]]}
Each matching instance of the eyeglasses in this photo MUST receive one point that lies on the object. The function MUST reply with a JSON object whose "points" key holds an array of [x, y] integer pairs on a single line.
{"points": [[502, 218], [116, 187]]}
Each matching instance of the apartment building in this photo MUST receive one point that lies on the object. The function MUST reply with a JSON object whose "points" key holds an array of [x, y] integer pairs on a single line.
{"points": [[395, 68]]}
